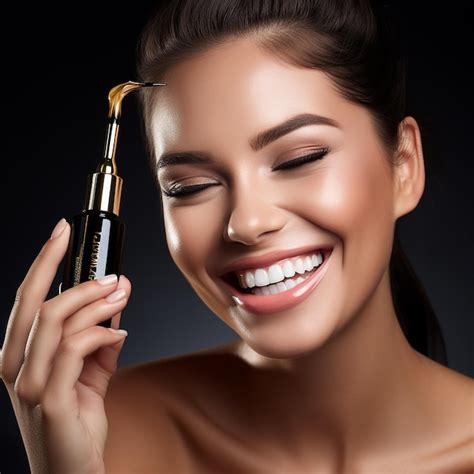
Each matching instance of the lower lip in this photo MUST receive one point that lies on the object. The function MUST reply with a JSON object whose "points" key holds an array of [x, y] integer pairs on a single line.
{"points": [[266, 304]]}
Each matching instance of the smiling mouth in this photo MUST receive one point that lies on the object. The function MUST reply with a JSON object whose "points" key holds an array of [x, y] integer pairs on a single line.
{"points": [[296, 279]]}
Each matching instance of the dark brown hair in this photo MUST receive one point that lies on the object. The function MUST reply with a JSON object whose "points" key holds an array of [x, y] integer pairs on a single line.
{"points": [[353, 42]]}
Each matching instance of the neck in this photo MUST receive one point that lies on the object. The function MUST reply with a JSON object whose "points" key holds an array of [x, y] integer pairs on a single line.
{"points": [[352, 393]]}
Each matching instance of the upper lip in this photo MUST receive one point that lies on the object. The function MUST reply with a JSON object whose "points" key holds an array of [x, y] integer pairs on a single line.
{"points": [[253, 262]]}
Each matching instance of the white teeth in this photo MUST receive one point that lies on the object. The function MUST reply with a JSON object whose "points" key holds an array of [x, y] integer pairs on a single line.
{"points": [[278, 287], [276, 273], [261, 277], [249, 280], [288, 269], [299, 266]]}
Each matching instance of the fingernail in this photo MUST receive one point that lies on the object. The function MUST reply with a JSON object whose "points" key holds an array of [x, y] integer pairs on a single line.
{"points": [[116, 295], [107, 279], [60, 226], [120, 332]]}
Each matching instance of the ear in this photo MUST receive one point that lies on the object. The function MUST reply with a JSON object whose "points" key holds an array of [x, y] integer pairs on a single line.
{"points": [[409, 170]]}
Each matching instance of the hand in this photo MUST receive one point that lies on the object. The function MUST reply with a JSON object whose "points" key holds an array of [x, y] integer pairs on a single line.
{"points": [[56, 363]]}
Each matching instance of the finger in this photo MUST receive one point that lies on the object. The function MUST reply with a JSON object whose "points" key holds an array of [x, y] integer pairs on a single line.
{"points": [[93, 313], [41, 352], [116, 320], [59, 399], [50, 316], [59, 308], [115, 324], [107, 357], [30, 295], [103, 361]]}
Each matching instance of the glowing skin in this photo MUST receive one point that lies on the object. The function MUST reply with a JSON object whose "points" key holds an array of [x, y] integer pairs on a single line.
{"points": [[344, 200], [332, 378]]}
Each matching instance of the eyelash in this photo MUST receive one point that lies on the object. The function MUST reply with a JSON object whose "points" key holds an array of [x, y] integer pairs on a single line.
{"points": [[195, 188]]}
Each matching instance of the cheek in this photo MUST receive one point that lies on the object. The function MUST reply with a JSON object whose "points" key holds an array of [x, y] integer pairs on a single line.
{"points": [[191, 236], [368, 223], [349, 196], [351, 199], [367, 197]]}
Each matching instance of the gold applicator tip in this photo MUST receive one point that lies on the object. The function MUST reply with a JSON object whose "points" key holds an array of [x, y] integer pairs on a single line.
{"points": [[116, 95], [104, 185]]}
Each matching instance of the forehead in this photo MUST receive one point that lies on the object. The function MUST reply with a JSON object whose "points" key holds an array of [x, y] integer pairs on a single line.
{"points": [[234, 90]]}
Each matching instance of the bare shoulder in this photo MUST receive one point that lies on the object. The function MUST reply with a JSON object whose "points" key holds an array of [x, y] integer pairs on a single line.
{"points": [[170, 414], [140, 428], [146, 405], [172, 377], [452, 399]]}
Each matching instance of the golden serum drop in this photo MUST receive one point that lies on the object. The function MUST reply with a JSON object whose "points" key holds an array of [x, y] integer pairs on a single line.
{"points": [[97, 233]]}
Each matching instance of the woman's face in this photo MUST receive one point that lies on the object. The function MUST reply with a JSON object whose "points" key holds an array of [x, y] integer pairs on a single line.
{"points": [[214, 105]]}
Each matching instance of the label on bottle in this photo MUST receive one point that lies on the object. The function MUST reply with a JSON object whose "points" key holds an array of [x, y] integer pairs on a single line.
{"points": [[78, 267], [94, 255]]}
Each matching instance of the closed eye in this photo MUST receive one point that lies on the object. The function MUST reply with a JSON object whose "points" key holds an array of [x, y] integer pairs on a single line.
{"points": [[318, 154], [183, 191]]}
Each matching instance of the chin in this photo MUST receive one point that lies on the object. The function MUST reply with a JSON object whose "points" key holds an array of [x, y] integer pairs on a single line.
{"points": [[280, 342]]}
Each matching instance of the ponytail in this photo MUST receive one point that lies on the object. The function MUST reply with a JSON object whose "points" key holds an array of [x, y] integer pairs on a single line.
{"points": [[415, 314]]}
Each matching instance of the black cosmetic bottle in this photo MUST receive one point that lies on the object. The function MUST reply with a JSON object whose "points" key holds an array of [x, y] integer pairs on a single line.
{"points": [[96, 241], [97, 236]]}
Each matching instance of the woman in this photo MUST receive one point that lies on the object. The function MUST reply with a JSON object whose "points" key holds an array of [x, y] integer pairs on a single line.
{"points": [[284, 160]]}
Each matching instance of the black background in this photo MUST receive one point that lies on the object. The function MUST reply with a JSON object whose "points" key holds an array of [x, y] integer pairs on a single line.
{"points": [[58, 64]]}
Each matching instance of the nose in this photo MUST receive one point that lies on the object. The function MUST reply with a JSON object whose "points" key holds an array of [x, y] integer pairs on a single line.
{"points": [[252, 215]]}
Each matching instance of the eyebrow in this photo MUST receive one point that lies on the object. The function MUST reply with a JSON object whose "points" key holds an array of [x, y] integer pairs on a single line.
{"points": [[258, 142]]}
